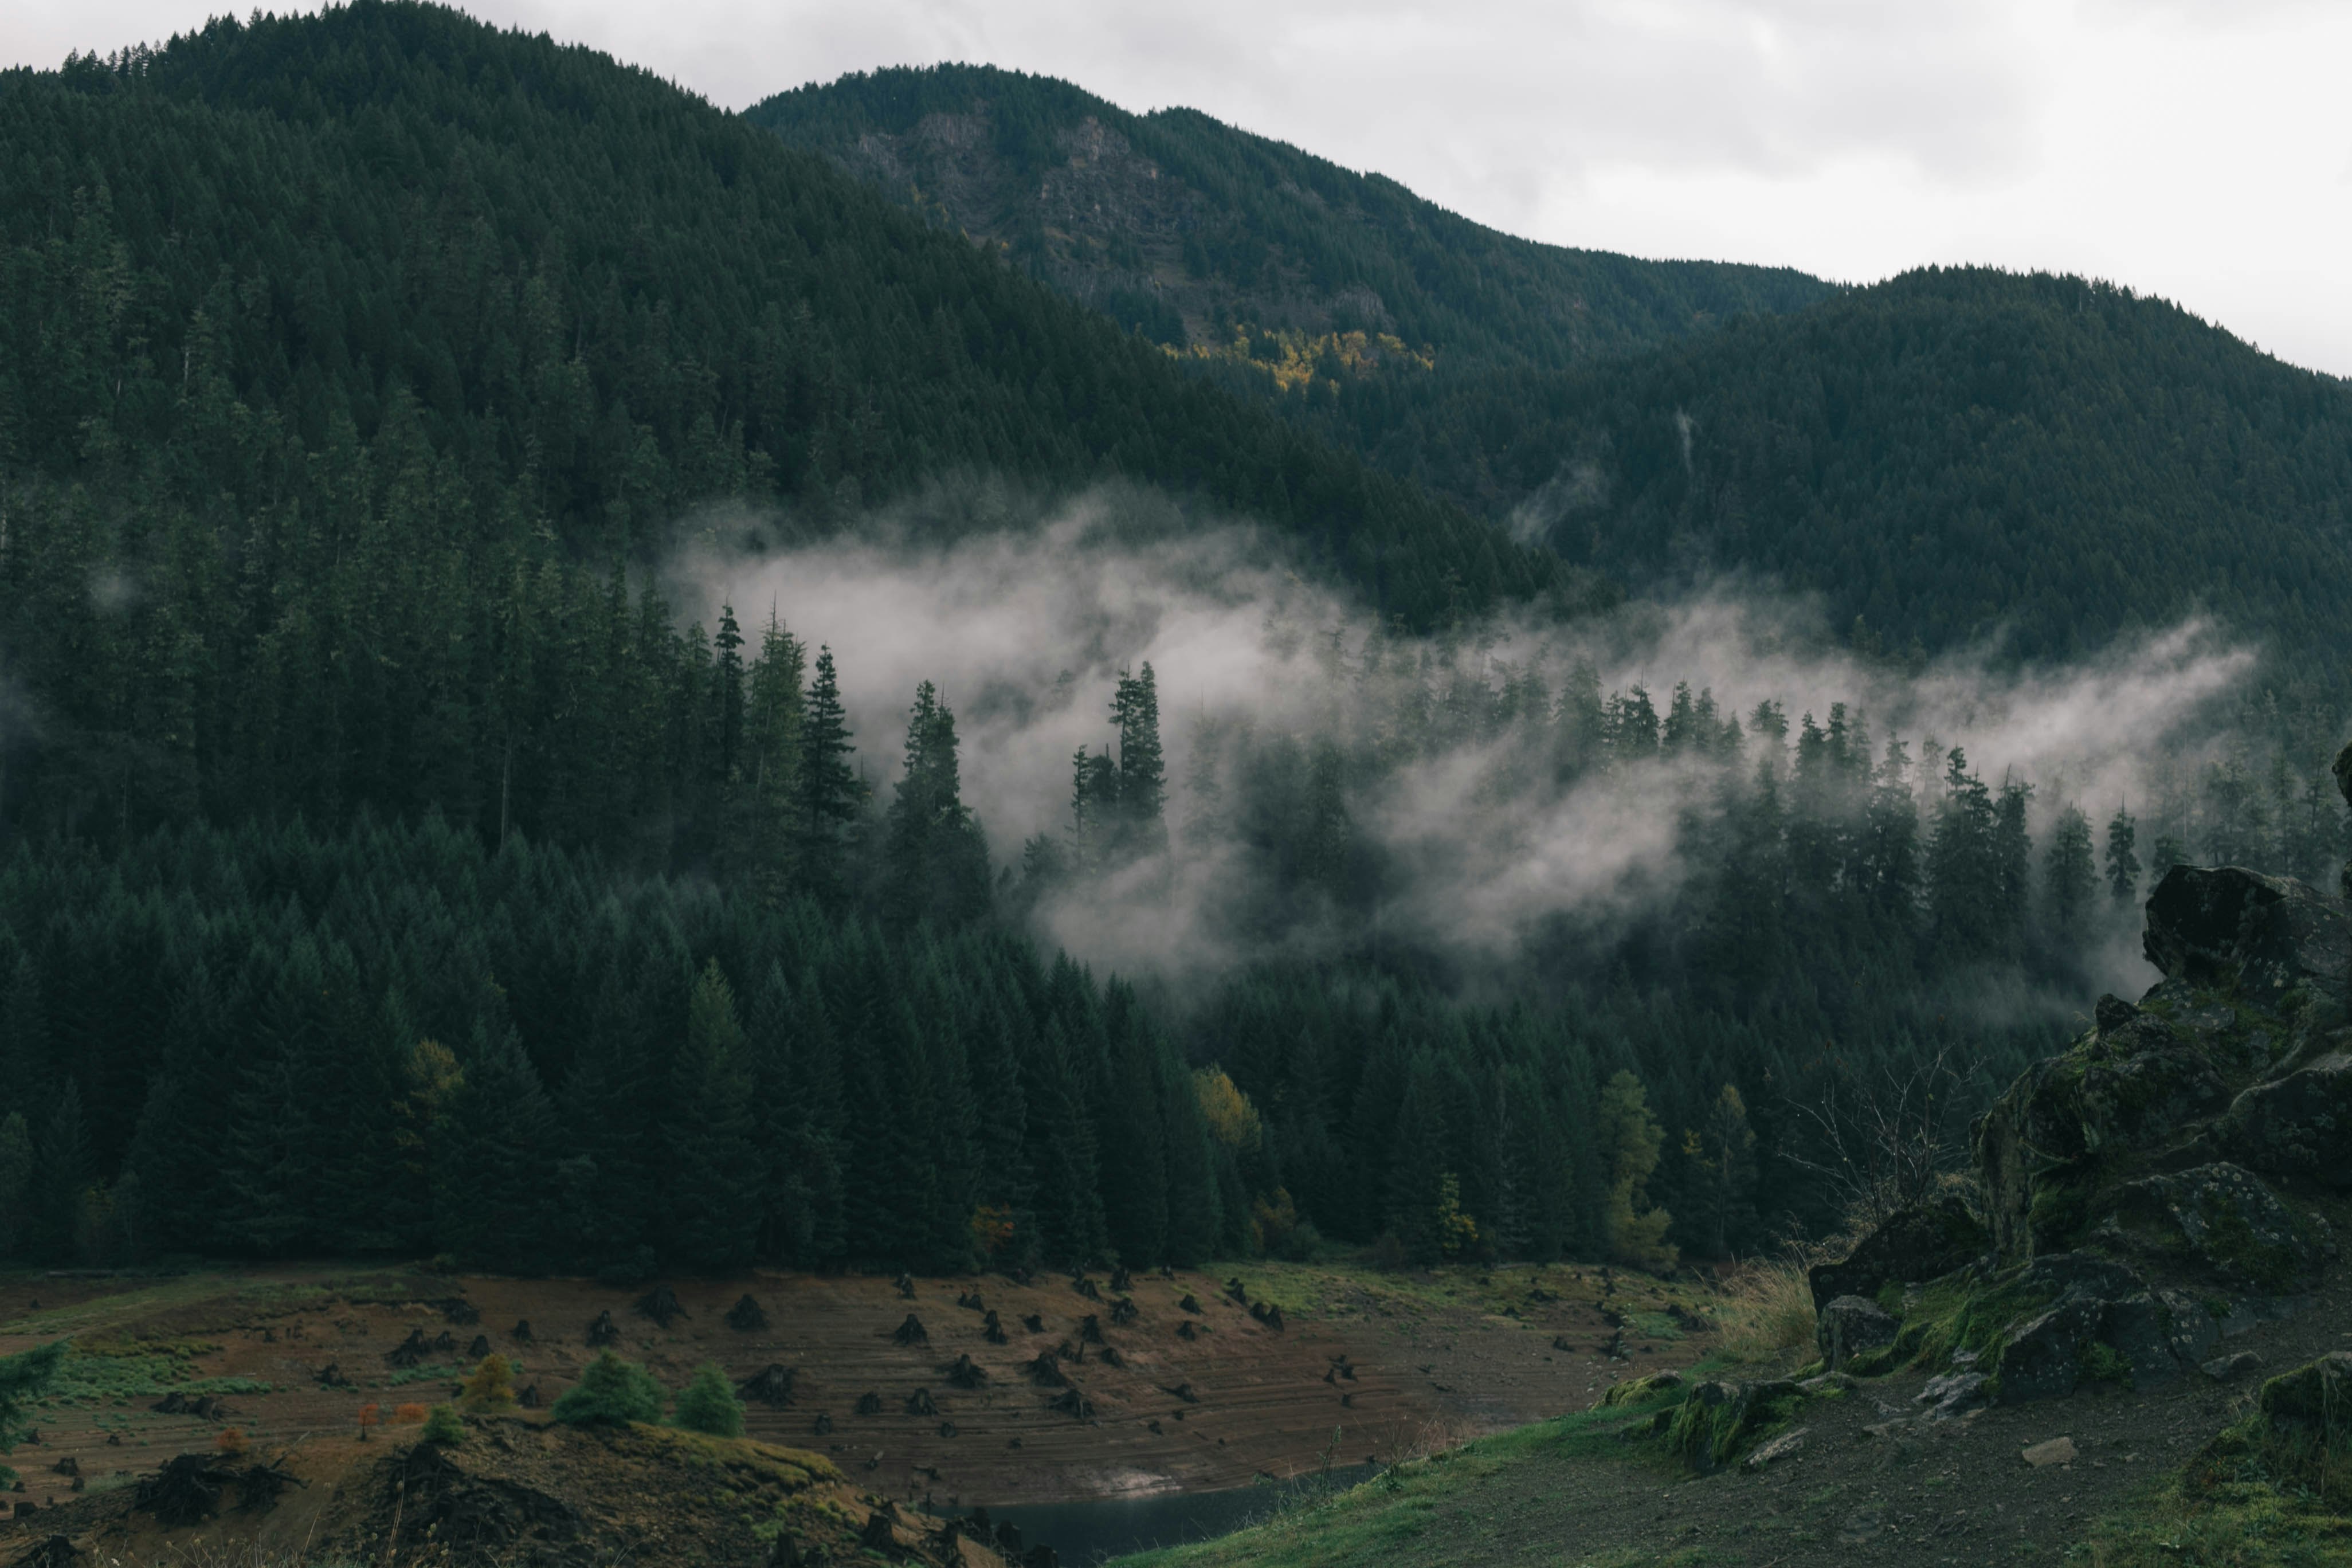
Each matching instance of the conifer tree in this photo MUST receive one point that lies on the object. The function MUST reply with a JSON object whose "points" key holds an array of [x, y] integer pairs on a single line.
{"points": [[714, 1172], [15, 1182], [2123, 865], [828, 789], [935, 860], [2069, 878]]}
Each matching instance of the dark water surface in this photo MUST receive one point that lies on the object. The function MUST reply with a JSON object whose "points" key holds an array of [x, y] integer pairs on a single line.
{"points": [[1084, 1533]]}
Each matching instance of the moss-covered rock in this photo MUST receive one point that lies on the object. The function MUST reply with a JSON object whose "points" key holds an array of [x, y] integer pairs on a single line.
{"points": [[2298, 1125], [2257, 937], [1919, 1242], [1634, 1390], [2219, 1221], [2314, 1399], [1719, 1420]]}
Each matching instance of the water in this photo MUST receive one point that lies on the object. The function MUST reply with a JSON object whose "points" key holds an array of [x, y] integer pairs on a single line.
{"points": [[1086, 1533]]}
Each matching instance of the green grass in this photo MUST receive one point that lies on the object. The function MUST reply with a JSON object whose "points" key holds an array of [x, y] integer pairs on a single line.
{"points": [[91, 1381], [1395, 1518]]}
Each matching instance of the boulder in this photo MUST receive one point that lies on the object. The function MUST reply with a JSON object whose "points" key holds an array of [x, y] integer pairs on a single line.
{"points": [[2043, 1358], [2299, 1125], [1953, 1394], [1633, 1390], [1718, 1419], [2227, 928], [1919, 1241], [2314, 1399], [1851, 1325], [2220, 1221]]}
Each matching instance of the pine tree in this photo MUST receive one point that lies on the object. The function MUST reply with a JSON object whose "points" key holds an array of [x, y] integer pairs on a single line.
{"points": [[1142, 770], [2123, 865], [16, 1184], [935, 860], [1722, 1158], [714, 1170], [2069, 880], [828, 790]]}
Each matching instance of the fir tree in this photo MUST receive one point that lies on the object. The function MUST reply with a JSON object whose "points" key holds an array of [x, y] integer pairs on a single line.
{"points": [[2123, 865], [828, 789]]}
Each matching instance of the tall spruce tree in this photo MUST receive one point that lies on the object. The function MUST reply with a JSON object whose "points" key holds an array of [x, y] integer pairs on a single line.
{"points": [[827, 806], [935, 858], [2123, 864]]}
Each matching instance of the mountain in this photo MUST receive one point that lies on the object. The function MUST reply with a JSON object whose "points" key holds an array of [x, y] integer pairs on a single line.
{"points": [[1949, 455], [360, 353], [1952, 455], [1206, 237]]}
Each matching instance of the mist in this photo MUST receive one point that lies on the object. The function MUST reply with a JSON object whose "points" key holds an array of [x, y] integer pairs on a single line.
{"points": [[1026, 620]]}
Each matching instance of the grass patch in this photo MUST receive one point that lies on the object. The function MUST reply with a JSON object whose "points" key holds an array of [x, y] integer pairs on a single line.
{"points": [[2243, 1502], [1390, 1519], [88, 1380]]}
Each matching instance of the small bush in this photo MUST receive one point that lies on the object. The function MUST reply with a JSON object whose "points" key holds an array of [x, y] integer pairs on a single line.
{"points": [[492, 1386], [230, 1441], [708, 1405], [610, 1391], [443, 1427], [407, 1415]]}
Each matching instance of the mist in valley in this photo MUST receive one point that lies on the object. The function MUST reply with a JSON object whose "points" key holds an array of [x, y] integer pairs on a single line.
{"points": [[1471, 825]]}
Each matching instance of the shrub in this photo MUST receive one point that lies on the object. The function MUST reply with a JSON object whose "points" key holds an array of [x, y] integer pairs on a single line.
{"points": [[709, 1405], [407, 1415], [492, 1386], [443, 1427], [612, 1391]]}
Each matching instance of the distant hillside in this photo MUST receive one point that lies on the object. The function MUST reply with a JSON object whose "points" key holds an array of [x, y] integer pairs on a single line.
{"points": [[1199, 233], [1949, 454], [361, 353]]}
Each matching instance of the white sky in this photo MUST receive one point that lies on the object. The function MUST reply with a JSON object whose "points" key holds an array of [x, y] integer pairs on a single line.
{"points": [[2196, 148]]}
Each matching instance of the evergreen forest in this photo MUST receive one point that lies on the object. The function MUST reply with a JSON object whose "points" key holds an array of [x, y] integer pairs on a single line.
{"points": [[387, 867]]}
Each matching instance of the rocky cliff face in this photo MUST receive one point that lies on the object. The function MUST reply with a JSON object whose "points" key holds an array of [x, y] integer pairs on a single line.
{"points": [[2178, 1173]]}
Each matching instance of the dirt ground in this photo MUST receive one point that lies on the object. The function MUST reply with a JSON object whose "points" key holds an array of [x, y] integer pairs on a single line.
{"points": [[1364, 1365], [1869, 1484]]}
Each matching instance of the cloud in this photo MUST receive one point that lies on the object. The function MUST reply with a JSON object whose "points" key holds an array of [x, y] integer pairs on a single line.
{"points": [[1026, 623]]}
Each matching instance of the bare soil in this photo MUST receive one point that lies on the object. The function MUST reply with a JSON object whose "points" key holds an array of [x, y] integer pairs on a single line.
{"points": [[1364, 1365]]}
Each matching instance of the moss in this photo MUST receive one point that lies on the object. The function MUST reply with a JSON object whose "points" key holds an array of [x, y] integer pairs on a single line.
{"points": [[2103, 1363], [1716, 1422], [1634, 1391]]}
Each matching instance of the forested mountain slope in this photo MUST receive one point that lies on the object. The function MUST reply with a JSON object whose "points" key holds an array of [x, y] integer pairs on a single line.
{"points": [[357, 352], [1204, 235], [1952, 454]]}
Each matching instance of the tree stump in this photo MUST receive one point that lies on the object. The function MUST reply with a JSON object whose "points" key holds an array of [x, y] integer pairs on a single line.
{"points": [[662, 1305], [772, 1386], [920, 1402], [912, 1331], [869, 1404], [603, 1331], [746, 1317]]}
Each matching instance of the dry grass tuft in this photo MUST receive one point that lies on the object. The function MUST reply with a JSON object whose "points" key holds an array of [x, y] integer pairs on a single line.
{"points": [[1766, 1306]]}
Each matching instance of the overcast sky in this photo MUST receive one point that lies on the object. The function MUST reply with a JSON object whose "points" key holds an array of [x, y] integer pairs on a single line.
{"points": [[2195, 149]]}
